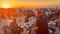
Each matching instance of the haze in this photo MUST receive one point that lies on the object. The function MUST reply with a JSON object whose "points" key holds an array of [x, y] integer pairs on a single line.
{"points": [[29, 3]]}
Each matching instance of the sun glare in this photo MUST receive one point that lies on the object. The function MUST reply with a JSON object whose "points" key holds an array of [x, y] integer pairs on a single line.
{"points": [[6, 6]]}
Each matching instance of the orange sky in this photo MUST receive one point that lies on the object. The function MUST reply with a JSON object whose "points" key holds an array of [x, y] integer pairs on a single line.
{"points": [[28, 3]]}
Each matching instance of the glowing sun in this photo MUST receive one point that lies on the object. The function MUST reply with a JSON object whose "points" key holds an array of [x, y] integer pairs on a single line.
{"points": [[6, 6]]}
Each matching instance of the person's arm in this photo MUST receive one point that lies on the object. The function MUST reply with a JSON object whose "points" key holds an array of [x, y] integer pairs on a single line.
{"points": [[35, 28]]}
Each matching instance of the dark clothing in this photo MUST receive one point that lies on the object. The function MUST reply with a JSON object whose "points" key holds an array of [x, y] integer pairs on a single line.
{"points": [[42, 24], [13, 28]]}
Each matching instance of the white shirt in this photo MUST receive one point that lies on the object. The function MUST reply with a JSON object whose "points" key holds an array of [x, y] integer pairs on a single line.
{"points": [[9, 21], [46, 13], [51, 24], [31, 22]]}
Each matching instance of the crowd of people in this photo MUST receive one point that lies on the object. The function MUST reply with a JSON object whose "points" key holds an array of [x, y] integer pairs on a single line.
{"points": [[41, 22]]}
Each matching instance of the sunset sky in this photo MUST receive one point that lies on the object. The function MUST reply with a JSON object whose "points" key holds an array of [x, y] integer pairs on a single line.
{"points": [[28, 3]]}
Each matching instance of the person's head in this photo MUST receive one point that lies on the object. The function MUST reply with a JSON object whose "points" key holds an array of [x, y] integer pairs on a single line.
{"points": [[13, 23], [26, 20], [36, 9]]}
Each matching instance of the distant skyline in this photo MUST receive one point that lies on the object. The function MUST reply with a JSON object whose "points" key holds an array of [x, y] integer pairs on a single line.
{"points": [[29, 3]]}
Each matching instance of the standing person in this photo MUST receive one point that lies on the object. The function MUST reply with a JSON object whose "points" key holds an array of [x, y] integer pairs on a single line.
{"points": [[52, 25], [42, 24], [26, 26], [29, 20], [59, 23], [13, 27], [5, 29]]}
